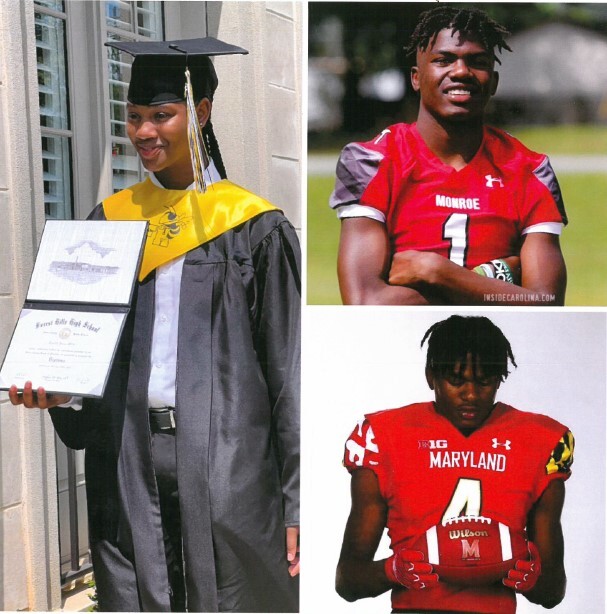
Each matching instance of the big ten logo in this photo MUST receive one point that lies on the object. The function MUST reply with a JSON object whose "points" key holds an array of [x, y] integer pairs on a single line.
{"points": [[432, 444]]}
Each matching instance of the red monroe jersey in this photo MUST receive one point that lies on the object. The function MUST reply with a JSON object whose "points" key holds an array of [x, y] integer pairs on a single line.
{"points": [[470, 216], [428, 471]]}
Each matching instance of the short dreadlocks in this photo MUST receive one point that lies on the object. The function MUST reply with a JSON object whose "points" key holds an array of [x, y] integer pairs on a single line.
{"points": [[451, 340], [465, 21]]}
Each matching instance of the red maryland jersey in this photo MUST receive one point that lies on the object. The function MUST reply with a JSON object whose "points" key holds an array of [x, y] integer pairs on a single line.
{"points": [[428, 471], [470, 216]]}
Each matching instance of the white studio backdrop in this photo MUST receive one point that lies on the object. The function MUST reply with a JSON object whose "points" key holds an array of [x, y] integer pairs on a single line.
{"points": [[361, 360]]}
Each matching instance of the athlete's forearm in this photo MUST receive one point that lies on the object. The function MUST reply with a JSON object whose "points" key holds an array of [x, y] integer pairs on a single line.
{"points": [[357, 579], [426, 271], [545, 531], [378, 292]]}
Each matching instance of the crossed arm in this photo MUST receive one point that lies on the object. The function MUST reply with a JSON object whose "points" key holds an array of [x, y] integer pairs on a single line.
{"points": [[358, 575], [368, 274]]}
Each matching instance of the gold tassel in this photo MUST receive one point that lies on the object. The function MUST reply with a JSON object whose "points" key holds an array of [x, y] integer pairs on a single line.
{"points": [[198, 152]]}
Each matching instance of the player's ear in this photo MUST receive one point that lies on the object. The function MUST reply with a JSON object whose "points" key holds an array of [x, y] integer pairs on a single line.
{"points": [[415, 78], [430, 378], [203, 111], [495, 79]]}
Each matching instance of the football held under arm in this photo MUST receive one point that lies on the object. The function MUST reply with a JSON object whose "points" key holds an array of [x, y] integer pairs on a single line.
{"points": [[543, 276], [540, 279]]}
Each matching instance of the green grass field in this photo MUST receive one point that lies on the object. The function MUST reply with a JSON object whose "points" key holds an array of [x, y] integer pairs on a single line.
{"points": [[583, 241], [323, 238], [568, 139]]}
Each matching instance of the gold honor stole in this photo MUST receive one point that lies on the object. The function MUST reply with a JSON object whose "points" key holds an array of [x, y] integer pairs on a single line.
{"points": [[180, 220]]}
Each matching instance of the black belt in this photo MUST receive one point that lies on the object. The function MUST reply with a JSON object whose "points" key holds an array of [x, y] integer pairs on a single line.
{"points": [[162, 419]]}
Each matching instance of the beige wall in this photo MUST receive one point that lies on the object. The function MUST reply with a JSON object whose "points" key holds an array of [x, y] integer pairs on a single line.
{"points": [[257, 108], [28, 525], [257, 118], [261, 99]]}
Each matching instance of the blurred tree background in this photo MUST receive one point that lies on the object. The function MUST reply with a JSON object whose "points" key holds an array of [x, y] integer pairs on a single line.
{"points": [[552, 95], [360, 75]]}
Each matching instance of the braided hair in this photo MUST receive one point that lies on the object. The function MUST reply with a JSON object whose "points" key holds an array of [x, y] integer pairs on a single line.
{"points": [[452, 340], [212, 147], [208, 134], [465, 21]]}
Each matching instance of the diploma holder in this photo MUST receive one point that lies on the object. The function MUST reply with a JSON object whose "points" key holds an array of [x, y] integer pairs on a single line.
{"points": [[79, 296]]}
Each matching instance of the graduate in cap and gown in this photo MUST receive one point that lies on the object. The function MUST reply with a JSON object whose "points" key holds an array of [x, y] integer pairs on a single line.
{"points": [[192, 455]]}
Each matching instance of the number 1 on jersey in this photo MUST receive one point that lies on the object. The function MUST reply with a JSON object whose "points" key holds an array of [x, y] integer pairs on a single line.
{"points": [[455, 229]]}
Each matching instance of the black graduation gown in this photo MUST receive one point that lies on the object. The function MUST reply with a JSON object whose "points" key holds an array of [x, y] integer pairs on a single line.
{"points": [[237, 438]]}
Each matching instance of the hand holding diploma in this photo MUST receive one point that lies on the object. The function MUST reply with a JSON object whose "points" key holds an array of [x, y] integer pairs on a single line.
{"points": [[35, 399]]}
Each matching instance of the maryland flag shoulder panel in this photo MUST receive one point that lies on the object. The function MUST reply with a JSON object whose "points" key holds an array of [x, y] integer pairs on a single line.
{"points": [[561, 457]]}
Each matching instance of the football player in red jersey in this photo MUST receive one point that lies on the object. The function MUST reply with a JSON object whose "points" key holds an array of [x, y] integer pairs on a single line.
{"points": [[463, 454], [448, 210]]}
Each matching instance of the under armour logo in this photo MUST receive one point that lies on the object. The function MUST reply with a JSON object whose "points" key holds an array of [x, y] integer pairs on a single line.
{"points": [[491, 180], [381, 136], [497, 444]]}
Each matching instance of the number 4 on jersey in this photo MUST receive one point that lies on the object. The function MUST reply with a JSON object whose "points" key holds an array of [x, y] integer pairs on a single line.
{"points": [[465, 500], [455, 229]]}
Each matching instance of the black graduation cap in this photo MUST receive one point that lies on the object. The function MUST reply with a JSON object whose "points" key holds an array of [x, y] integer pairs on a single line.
{"points": [[158, 71]]}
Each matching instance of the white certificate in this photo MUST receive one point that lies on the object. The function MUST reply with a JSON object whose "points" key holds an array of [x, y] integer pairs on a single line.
{"points": [[87, 262], [63, 351]]}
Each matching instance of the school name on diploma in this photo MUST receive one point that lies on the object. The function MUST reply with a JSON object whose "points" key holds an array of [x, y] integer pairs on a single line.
{"points": [[72, 322]]}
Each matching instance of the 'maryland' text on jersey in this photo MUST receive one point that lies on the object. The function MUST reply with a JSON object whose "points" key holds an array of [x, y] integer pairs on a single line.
{"points": [[467, 459]]}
